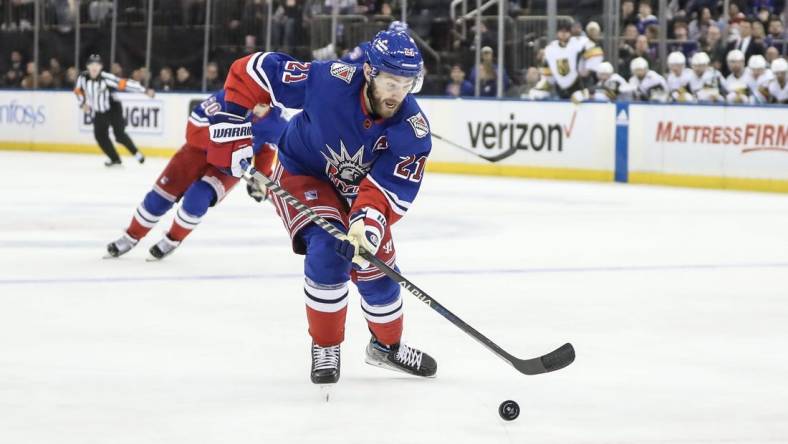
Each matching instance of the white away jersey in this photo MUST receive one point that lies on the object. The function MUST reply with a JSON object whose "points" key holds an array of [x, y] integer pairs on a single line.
{"points": [[736, 88], [759, 88], [563, 64], [652, 87], [706, 87], [678, 85], [778, 93], [615, 87]]}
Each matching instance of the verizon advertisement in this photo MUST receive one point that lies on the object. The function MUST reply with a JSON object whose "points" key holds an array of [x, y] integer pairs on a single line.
{"points": [[733, 142], [556, 135]]}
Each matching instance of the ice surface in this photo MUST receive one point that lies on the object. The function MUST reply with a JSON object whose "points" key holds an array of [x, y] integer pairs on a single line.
{"points": [[676, 301]]}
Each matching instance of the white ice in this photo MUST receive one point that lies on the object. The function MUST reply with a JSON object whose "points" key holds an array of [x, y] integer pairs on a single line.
{"points": [[676, 301]]}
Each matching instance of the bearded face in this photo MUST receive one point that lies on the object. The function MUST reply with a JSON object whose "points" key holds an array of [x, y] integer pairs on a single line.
{"points": [[387, 92]]}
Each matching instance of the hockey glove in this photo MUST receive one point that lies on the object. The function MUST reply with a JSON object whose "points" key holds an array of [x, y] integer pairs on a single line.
{"points": [[367, 227], [231, 142], [257, 191]]}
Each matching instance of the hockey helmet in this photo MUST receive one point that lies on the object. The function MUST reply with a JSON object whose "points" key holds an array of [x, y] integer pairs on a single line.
{"points": [[700, 58], [735, 55], [779, 65], [637, 64], [604, 68], [395, 53], [757, 61], [677, 58], [398, 26]]}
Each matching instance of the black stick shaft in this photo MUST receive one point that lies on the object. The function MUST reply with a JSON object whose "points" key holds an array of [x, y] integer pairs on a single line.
{"points": [[554, 360]]}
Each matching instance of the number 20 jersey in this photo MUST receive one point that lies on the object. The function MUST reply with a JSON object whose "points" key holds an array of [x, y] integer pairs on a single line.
{"points": [[369, 162]]}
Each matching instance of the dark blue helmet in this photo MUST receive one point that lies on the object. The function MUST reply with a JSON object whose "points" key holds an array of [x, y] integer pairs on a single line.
{"points": [[398, 26], [395, 53]]}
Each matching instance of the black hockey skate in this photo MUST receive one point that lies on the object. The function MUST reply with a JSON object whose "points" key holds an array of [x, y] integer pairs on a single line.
{"points": [[163, 248], [112, 163], [402, 358], [325, 364], [139, 156], [121, 246]]}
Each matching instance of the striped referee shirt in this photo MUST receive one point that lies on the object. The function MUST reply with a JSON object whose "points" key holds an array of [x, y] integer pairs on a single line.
{"points": [[100, 92]]}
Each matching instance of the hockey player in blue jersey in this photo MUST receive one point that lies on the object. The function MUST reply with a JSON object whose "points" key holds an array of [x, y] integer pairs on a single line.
{"points": [[355, 155], [189, 178]]}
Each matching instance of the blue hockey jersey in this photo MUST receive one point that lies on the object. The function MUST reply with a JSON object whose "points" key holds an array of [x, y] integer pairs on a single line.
{"points": [[378, 163], [265, 129]]}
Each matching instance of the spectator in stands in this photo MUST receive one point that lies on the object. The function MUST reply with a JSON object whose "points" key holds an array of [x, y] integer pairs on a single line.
{"points": [[759, 33], [17, 64], [772, 54], [488, 74], [137, 75], [527, 80], [165, 81], [458, 86], [645, 16], [744, 42], [682, 42], [627, 46], [56, 70], [286, 24], [776, 31], [643, 49], [628, 14], [712, 45], [212, 80], [700, 25], [117, 69], [70, 79], [46, 80], [30, 72], [184, 80], [11, 79]]}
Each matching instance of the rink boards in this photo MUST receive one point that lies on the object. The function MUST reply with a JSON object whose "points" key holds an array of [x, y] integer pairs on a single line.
{"points": [[734, 147]]}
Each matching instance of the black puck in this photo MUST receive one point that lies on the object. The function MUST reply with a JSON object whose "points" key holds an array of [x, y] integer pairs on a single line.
{"points": [[509, 410]]}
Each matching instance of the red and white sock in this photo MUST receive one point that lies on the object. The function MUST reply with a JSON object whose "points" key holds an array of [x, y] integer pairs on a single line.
{"points": [[326, 310], [384, 321]]}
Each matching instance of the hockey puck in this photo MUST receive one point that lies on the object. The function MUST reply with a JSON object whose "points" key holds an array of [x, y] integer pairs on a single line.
{"points": [[509, 410]]}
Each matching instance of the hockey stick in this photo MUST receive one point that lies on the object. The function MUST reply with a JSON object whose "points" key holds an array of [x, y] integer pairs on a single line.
{"points": [[555, 360], [491, 159]]}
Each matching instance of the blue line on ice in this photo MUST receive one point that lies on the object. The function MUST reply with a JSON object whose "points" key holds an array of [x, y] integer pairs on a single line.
{"points": [[229, 277]]}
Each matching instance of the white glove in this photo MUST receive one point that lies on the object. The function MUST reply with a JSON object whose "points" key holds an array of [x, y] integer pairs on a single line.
{"points": [[367, 228]]}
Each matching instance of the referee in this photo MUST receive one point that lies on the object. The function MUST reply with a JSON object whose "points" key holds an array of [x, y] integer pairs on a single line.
{"points": [[95, 91]]}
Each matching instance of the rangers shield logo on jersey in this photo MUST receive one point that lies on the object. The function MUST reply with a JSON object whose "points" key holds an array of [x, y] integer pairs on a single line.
{"points": [[343, 71], [419, 124], [346, 171]]}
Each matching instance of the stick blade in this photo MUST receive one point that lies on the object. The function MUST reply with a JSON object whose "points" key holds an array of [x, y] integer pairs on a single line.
{"points": [[555, 360]]}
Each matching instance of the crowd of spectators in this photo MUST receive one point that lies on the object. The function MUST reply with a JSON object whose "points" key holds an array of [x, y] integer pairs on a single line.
{"points": [[19, 74], [756, 27]]}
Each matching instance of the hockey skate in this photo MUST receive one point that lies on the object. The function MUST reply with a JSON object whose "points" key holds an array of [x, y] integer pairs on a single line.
{"points": [[139, 156], [112, 163], [325, 364], [120, 246], [163, 248], [402, 358]]}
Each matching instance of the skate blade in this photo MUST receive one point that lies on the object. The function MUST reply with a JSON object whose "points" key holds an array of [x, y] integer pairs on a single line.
{"points": [[325, 391], [152, 259], [109, 256]]}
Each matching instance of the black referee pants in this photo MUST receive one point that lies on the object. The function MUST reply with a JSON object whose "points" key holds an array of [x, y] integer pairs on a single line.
{"points": [[101, 124]]}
